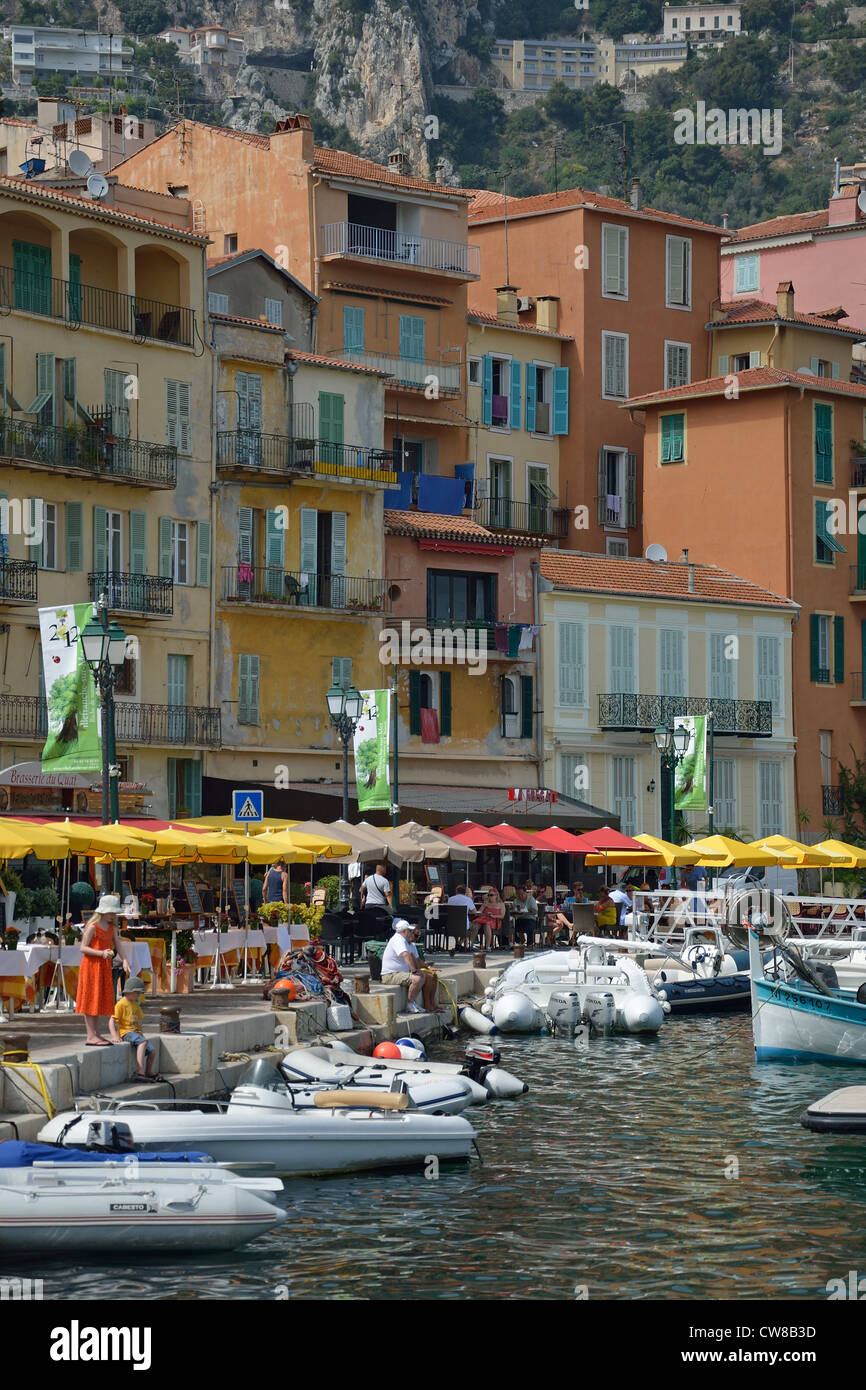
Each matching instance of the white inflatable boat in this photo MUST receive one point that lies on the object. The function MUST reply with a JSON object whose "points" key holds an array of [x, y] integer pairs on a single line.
{"points": [[616, 997], [301, 1077], [480, 1067]]}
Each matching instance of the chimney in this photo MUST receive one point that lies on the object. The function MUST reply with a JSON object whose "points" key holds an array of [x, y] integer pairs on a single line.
{"points": [[396, 162], [506, 304], [296, 134], [725, 220], [842, 209], [785, 299], [635, 198], [691, 579], [439, 172], [547, 312], [684, 558]]}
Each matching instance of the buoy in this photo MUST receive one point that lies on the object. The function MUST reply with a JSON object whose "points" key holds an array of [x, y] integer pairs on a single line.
{"points": [[387, 1049], [411, 1049], [471, 1018]]}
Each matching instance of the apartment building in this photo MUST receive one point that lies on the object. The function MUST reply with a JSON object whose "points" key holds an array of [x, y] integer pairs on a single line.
{"points": [[702, 25], [533, 66], [42, 147], [209, 46], [106, 422], [40, 50], [631, 644]]}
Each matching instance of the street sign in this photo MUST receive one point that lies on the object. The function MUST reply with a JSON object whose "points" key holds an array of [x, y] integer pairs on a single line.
{"points": [[247, 806]]}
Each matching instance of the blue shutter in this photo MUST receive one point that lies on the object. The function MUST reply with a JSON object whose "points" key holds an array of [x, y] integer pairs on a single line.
{"points": [[514, 419], [560, 400], [530, 397], [412, 337], [487, 389]]}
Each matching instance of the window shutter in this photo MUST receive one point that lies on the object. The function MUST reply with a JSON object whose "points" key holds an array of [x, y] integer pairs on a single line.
{"points": [[414, 702], [275, 543], [245, 535], [814, 365], [117, 404], [248, 689], [177, 422], [353, 329], [69, 383], [531, 394], [338, 542], [412, 337], [445, 704], [503, 703], [631, 490], [192, 785], [45, 384], [675, 272], [331, 408], [171, 422], [274, 312], [171, 778], [823, 443], [487, 389], [309, 548], [666, 423], [100, 548], [249, 388], [834, 370], [202, 576], [560, 400], [602, 487], [526, 710], [74, 536], [138, 542], [35, 549], [571, 664], [814, 639], [3, 401], [341, 671], [166, 558], [754, 359], [724, 364], [839, 650], [622, 670], [514, 407]]}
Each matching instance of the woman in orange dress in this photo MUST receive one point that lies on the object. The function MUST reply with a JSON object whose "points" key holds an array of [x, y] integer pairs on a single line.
{"points": [[95, 994]]}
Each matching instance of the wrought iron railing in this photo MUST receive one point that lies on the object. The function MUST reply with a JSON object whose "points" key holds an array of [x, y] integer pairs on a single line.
{"points": [[92, 449], [748, 718], [23, 716], [831, 801], [190, 725], [404, 248], [858, 686], [858, 578], [249, 449], [271, 584], [74, 303], [500, 641], [422, 373], [19, 580], [858, 472], [501, 514], [134, 593]]}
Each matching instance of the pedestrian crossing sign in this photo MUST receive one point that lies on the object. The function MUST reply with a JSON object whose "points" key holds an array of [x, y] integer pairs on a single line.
{"points": [[247, 806]]}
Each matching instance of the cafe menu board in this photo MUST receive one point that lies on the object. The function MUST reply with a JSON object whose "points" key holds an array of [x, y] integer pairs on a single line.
{"points": [[192, 896], [239, 896]]}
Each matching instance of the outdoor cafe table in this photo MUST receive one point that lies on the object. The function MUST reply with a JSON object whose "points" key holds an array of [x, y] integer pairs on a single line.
{"points": [[29, 969]]}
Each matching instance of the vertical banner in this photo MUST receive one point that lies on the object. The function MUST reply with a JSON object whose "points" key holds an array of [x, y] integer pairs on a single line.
{"points": [[372, 734], [691, 771], [73, 743]]}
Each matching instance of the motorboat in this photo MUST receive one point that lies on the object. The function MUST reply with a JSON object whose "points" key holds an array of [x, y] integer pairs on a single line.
{"points": [[840, 1112], [302, 1078], [480, 1068], [101, 1201], [610, 997], [703, 976], [340, 1132]]}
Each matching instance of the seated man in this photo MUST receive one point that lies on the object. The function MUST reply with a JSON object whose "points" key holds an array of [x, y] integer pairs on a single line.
{"points": [[461, 898], [401, 965], [525, 915]]}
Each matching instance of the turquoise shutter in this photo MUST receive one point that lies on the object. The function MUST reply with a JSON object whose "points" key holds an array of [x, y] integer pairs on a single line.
{"points": [[245, 535], [560, 400], [192, 785], [32, 277], [341, 671], [353, 329], [202, 575], [724, 364], [309, 554], [166, 566], [275, 554], [666, 422], [75, 288], [171, 781], [526, 710], [814, 624], [412, 337], [414, 702], [74, 536], [530, 397], [839, 650], [35, 549], [514, 415], [138, 542], [834, 370], [331, 411], [487, 389], [248, 689], [445, 703], [70, 391], [339, 523], [100, 549], [823, 444], [45, 386]]}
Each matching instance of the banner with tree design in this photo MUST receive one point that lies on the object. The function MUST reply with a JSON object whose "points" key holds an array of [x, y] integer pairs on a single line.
{"points": [[371, 751], [73, 741]]}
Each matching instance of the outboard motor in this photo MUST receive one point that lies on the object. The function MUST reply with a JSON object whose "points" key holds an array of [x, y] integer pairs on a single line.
{"points": [[108, 1137], [599, 1011], [482, 1067], [479, 1056], [564, 1011]]}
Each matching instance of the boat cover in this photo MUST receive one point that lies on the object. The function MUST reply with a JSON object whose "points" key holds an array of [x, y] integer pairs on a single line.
{"points": [[18, 1153]]}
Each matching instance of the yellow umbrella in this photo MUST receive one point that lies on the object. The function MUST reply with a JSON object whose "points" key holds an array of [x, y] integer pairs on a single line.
{"points": [[312, 846], [720, 852], [104, 842], [668, 853], [648, 857], [803, 856], [228, 823], [18, 838], [171, 842], [219, 847], [849, 856]]}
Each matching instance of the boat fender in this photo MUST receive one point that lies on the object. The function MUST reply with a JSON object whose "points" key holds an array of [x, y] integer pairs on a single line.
{"points": [[478, 1022], [361, 1100], [412, 1048], [861, 994], [501, 1085], [487, 1008]]}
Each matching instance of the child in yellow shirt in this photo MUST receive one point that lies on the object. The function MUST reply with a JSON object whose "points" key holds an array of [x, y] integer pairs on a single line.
{"points": [[125, 1026]]}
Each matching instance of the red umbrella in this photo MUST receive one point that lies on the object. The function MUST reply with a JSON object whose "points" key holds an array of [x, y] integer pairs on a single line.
{"points": [[605, 840], [468, 832], [559, 840]]}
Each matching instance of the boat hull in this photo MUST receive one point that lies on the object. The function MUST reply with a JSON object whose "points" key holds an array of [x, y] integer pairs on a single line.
{"points": [[841, 1112], [798, 1025], [726, 994]]}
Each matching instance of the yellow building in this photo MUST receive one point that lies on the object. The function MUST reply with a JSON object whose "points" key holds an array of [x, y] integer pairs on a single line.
{"points": [[628, 644], [751, 333], [106, 421]]}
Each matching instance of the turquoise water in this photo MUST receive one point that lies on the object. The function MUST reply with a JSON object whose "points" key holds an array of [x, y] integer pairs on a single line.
{"points": [[611, 1174]]}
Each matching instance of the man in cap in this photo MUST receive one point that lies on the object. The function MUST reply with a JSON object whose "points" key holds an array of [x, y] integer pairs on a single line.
{"points": [[401, 965]]}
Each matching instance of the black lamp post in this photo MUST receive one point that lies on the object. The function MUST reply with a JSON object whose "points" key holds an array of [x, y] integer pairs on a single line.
{"points": [[104, 647], [672, 745], [344, 706]]}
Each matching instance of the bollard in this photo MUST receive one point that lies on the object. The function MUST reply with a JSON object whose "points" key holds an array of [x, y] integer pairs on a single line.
{"points": [[479, 961], [169, 1020], [14, 1047], [519, 950], [362, 984]]}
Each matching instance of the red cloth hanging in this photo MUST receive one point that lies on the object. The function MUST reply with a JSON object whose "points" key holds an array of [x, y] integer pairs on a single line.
{"points": [[429, 726]]}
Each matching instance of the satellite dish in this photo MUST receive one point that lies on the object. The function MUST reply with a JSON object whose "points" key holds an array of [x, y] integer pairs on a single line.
{"points": [[656, 553], [97, 186], [861, 200], [805, 371], [79, 163]]}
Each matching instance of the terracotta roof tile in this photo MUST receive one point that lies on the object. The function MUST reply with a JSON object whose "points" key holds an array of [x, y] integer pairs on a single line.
{"points": [[605, 574], [488, 207], [340, 363], [756, 379], [480, 316], [758, 311], [354, 167], [430, 525], [45, 193], [373, 292], [248, 323], [782, 226]]}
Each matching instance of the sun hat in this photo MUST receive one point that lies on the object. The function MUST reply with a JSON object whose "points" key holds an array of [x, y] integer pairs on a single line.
{"points": [[134, 985], [108, 904], [402, 925]]}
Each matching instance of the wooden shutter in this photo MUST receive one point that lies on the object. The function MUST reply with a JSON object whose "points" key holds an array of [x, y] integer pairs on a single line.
{"points": [[275, 542], [331, 410], [3, 401], [35, 549], [814, 645], [503, 704], [531, 395], [100, 548], [339, 522], [675, 273], [412, 337], [202, 575], [246, 536], [602, 487], [815, 365], [631, 490], [560, 400], [414, 702], [177, 415], [834, 370], [166, 556], [514, 406], [75, 285], [445, 704], [192, 785], [571, 664], [527, 711], [248, 689], [823, 443], [171, 780], [341, 671], [70, 392], [116, 402], [249, 389], [622, 670], [724, 364], [487, 388], [671, 674], [353, 329], [45, 385], [754, 358], [615, 251], [309, 539], [138, 542], [839, 650], [74, 536]]}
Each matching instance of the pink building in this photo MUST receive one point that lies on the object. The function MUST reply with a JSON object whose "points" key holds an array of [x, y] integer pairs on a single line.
{"points": [[823, 253]]}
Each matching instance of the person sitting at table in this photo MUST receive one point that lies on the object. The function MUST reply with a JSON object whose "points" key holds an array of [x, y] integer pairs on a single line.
{"points": [[525, 915], [95, 996], [606, 912], [490, 918], [462, 897]]}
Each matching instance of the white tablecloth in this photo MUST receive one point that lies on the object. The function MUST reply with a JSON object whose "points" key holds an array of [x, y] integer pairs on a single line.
{"points": [[205, 942], [27, 960]]}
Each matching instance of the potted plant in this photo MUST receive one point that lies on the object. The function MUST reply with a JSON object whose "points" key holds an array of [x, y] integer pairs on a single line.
{"points": [[272, 913], [9, 940], [147, 904]]}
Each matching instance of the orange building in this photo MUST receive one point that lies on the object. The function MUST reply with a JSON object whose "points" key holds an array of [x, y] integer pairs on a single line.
{"points": [[386, 254], [635, 288], [762, 471]]}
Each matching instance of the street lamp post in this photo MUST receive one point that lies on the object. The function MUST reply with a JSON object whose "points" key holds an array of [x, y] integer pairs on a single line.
{"points": [[104, 647], [672, 745], [344, 707]]}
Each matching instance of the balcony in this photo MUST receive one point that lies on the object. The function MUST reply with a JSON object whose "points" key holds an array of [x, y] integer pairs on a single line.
{"points": [[414, 372], [616, 510], [19, 580], [134, 593], [453, 638], [76, 304], [831, 801], [71, 449], [858, 472], [281, 453], [527, 518], [358, 242], [643, 713], [857, 688], [24, 717], [294, 588], [857, 588]]}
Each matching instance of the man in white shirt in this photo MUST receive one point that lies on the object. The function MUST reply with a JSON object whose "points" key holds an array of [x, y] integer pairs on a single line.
{"points": [[401, 965], [623, 898], [376, 890]]}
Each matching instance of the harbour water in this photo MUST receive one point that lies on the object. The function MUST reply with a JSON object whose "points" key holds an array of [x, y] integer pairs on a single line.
{"points": [[668, 1168]]}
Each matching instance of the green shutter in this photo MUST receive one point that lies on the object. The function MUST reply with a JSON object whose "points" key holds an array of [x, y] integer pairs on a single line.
{"points": [[177, 415], [445, 703], [341, 671], [414, 702], [192, 785], [31, 277], [814, 623], [246, 536], [839, 650], [526, 710], [100, 548], [353, 329], [248, 689], [514, 405], [74, 288], [202, 573], [35, 549], [823, 443], [412, 337], [331, 410], [530, 397], [166, 565], [560, 400], [138, 543], [74, 537], [171, 779]]}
